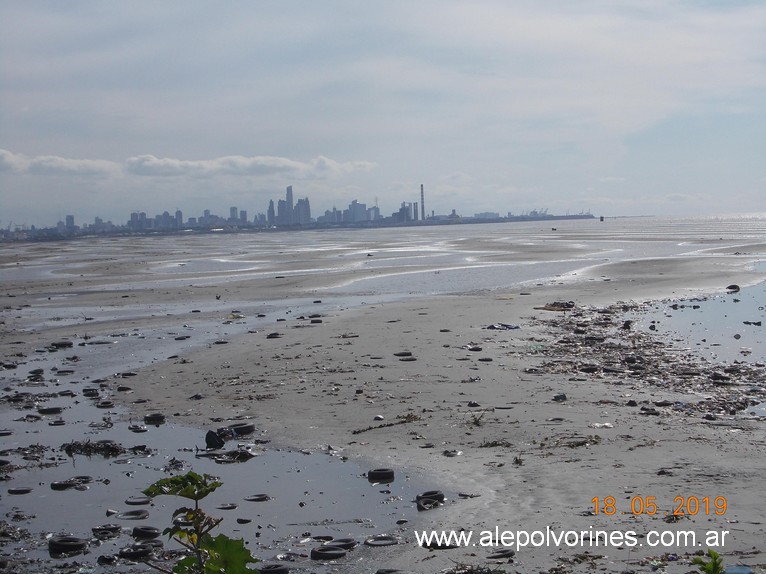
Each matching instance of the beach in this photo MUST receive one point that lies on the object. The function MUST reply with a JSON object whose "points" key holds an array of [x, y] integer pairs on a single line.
{"points": [[505, 365]]}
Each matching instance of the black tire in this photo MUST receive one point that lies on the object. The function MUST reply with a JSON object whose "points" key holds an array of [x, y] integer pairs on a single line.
{"points": [[20, 490], [82, 479], [146, 532], [138, 501], [345, 543], [136, 552], [381, 540], [327, 553], [66, 544], [427, 504], [258, 498], [274, 569], [63, 484], [381, 475], [436, 495], [106, 531]]}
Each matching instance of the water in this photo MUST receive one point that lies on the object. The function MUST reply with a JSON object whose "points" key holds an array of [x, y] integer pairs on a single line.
{"points": [[90, 289], [310, 494], [722, 328]]}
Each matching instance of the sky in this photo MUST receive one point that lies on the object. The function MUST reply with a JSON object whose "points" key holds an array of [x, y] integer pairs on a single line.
{"points": [[631, 107]]}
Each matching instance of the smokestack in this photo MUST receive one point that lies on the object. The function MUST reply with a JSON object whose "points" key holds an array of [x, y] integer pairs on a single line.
{"points": [[422, 204]]}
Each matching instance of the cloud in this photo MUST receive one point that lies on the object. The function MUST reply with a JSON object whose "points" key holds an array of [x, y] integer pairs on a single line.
{"points": [[319, 167], [10, 161], [55, 165]]}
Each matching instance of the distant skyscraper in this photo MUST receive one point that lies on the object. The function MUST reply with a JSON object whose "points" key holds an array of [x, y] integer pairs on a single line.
{"points": [[283, 215], [289, 205], [272, 216], [302, 212], [233, 213], [422, 204]]}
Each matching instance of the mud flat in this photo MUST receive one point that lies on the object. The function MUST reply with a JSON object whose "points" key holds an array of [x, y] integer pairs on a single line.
{"points": [[541, 405]]}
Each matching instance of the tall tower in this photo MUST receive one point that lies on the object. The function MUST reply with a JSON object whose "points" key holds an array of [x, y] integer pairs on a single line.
{"points": [[422, 204], [289, 206]]}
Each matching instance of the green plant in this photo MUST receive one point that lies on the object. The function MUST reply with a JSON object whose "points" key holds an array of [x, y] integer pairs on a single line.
{"points": [[191, 528], [713, 566]]}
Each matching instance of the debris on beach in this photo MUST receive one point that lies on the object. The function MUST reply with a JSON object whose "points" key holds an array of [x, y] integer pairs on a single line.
{"points": [[592, 341], [502, 327], [105, 448]]}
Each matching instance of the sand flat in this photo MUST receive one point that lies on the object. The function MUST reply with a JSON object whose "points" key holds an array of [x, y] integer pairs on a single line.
{"points": [[523, 459]]}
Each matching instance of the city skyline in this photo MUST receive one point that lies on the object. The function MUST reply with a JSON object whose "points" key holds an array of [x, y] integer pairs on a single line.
{"points": [[626, 108], [288, 214]]}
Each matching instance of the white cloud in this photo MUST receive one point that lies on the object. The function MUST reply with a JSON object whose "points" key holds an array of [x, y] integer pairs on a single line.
{"points": [[320, 167], [55, 165], [148, 165], [10, 161]]}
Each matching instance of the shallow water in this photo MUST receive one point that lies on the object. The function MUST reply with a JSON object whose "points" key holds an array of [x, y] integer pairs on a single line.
{"points": [[310, 494], [722, 329]]}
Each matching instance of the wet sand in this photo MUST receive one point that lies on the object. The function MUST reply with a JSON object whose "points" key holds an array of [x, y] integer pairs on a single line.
{"points": [[479, 411]]}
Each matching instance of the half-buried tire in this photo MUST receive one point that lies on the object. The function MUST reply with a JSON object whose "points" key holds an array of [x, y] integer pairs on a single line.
{"points": [[327, 553], [381, 475], [66, 544]]}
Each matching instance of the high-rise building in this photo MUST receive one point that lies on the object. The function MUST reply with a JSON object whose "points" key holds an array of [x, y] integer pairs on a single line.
{"points": [[302, 212], [233, 213], [356, 212], [289, 205], [272, 216], [283, 216]]}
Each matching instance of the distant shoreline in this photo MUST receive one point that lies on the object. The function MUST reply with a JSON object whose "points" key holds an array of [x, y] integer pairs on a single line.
{"points": [[52, 234]]}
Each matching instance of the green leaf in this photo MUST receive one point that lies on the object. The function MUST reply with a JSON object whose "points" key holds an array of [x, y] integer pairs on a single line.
{"points": [[714, 566], [227, 555], [190, 485], [188, 565]]}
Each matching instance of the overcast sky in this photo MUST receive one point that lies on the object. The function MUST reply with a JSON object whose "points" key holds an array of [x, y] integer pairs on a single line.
{"points": [[619, 108]]}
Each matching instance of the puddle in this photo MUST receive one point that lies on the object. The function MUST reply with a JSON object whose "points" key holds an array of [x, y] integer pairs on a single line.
{"points": [[308, 494], [724, 328]]}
